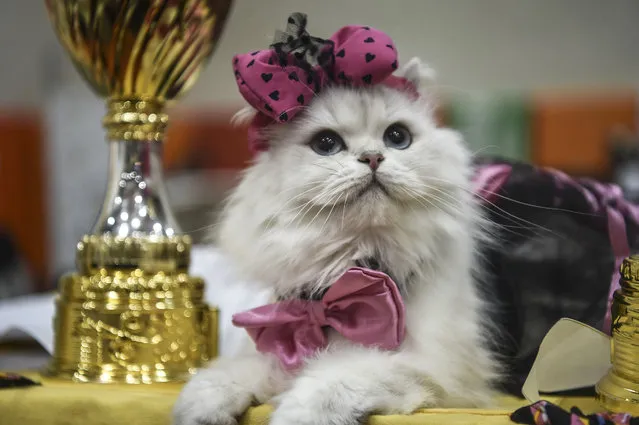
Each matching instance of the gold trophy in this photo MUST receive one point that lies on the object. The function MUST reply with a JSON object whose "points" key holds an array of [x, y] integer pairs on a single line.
{"points": [[618, 391], [131, 313]]}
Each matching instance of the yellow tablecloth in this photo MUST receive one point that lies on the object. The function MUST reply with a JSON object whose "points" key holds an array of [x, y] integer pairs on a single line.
{"points": [[64, 403]]}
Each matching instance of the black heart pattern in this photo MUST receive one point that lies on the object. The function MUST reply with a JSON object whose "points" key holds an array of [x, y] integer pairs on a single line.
{"points": [[324, 56], [283, 117], [235, 61], [255, 53], [250, 64], [300, 99], [369, 57], [268, 107], [340, 54], [366, 28], [368, 78], [270, 61], [390, 46], [369, 40], [275, 95], [394, 65], [293, 76], [266, 77]]}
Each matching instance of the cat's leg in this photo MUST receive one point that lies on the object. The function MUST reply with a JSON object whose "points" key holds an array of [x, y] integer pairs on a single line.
{"points": [[345, 386], [218, 394]]}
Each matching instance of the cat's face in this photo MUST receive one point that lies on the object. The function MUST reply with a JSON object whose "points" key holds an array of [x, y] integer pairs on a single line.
{"points": [[370, 150], [359, 173]]}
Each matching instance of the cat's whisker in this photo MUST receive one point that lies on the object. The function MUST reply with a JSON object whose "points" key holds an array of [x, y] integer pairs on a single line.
{"points": [[484, 199], [417, 196], [418, 200], [331, 196], [313, 186], [483, 149], [301, 209], [326, 168], [310, 205], [344, 210], [316, 215], [274, 215], [492, 230], [331, 211], [311, 183], [202, 228], [487, 204], [500, 211], [541, 207], [340, 164]]}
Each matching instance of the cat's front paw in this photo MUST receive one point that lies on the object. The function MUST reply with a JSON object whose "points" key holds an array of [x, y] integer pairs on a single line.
{"points": [[220, 394], [316, 403], [291, 411], [210, 402], [346, 388]]}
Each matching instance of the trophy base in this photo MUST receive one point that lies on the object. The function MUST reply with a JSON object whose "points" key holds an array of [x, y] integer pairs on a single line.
{"points": [[111, 374], [617, 394], [119, 326]]}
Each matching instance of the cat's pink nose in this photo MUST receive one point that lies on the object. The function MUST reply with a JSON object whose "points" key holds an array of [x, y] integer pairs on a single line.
{"points": [[372, 159]]}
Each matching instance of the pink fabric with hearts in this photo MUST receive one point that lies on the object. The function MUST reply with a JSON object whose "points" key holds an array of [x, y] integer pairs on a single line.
{"points": [[280, 87], [270, 88], [364, 55]]}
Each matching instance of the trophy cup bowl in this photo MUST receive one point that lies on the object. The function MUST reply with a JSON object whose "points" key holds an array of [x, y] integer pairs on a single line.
{"points": [[131, 313]]}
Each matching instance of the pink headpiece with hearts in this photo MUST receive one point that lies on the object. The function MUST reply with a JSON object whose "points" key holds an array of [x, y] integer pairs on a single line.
{"points": [[280, 81]]}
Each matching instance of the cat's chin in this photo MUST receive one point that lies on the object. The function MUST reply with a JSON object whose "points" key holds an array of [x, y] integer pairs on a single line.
{"points": [[373, 191]]}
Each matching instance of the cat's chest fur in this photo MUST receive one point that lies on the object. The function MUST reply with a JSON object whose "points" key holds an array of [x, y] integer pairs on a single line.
{"points": [[322, 259]]}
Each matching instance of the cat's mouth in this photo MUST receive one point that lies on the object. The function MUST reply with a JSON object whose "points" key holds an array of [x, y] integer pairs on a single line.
{"points": [[374, 186]]}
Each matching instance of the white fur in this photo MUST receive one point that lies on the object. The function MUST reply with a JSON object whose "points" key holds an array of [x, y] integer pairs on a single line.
{"points": [[296, 222]]}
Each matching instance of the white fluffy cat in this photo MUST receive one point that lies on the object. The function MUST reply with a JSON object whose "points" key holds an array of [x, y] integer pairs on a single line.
{"points": [[362, 173]]}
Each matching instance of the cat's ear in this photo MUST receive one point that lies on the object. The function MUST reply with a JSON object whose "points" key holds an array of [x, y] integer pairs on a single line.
{"points": [[417, 73], [243, 116]]}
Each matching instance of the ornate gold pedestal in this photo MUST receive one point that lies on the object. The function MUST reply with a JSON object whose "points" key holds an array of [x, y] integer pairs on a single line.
{"points": [[120, 322], [618, 391], [131, 313]]}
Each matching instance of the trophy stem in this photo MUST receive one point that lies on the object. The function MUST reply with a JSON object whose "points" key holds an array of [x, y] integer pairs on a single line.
{"points": [[136, 201], [618, 391]]}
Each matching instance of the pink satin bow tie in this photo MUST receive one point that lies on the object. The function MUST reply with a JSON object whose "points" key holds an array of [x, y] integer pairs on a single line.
{"points": [[363, 305]]}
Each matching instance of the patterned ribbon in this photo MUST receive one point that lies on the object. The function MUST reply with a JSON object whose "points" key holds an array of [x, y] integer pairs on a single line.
{"points": [[604, 199], [281, 81]]}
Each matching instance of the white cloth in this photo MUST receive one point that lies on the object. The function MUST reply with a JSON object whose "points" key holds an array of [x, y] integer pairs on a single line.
{"points": [[32, 316]]}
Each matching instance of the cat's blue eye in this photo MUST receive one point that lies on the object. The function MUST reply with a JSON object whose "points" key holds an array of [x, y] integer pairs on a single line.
{"points": [[327, 143], [397, 136]]}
